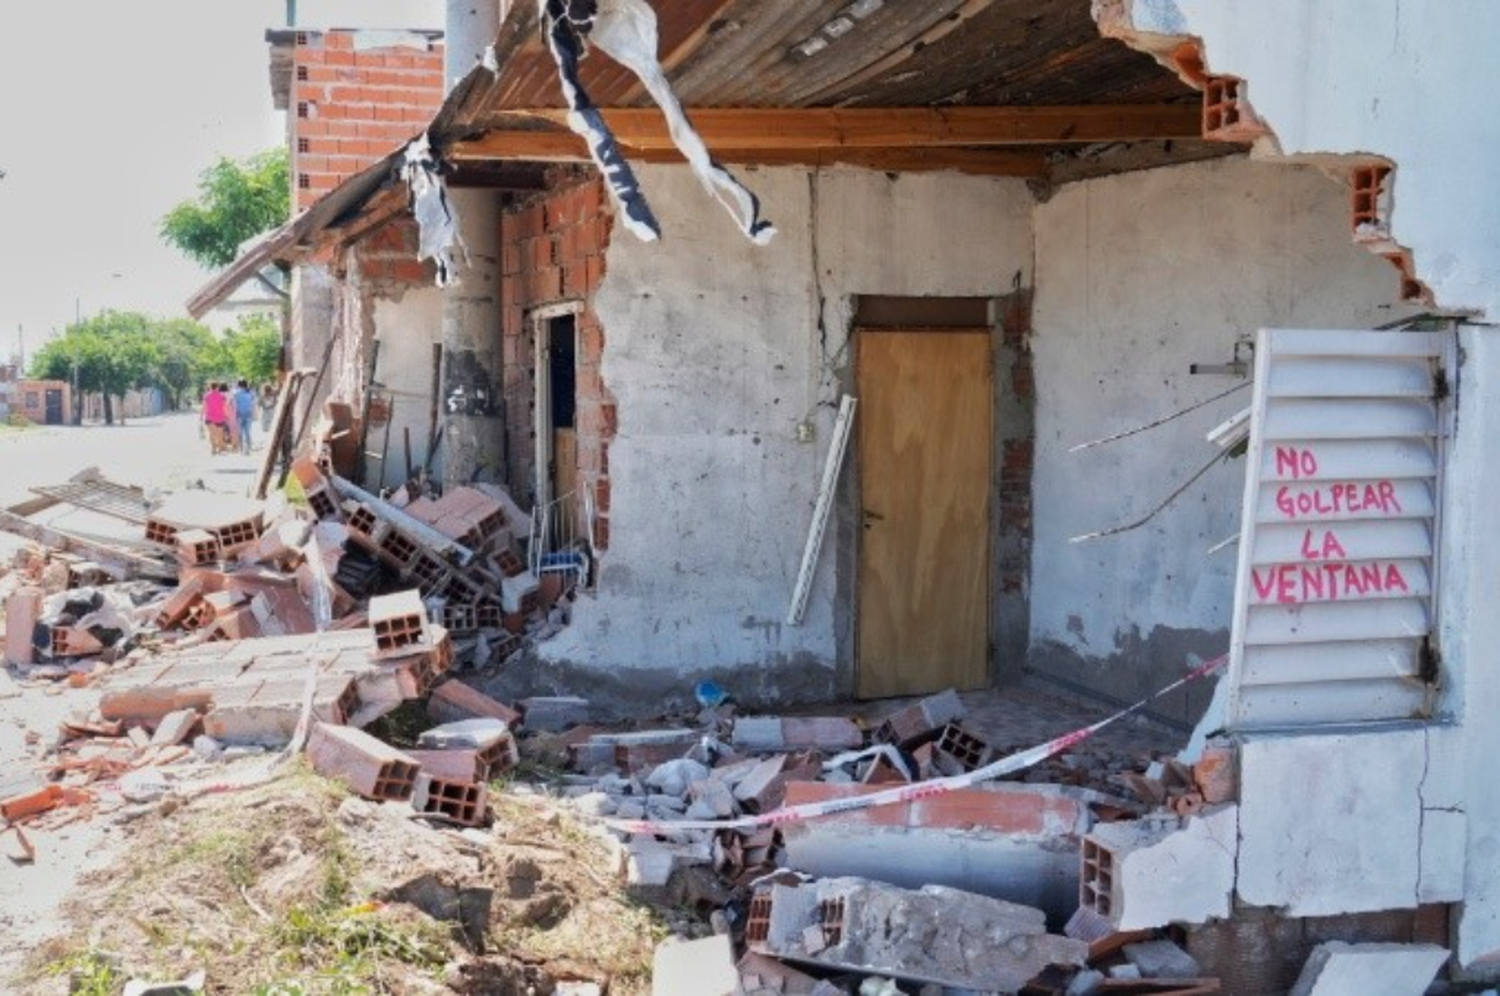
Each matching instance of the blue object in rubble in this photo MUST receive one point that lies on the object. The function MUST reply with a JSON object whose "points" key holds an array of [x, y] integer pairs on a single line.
{"points": [[709, 695]]}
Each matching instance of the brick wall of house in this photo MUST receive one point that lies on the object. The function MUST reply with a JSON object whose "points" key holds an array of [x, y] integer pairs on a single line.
{"points": [[552, 252], [352, 103]]}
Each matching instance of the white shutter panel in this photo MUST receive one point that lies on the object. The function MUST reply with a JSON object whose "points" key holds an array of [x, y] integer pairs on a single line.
{"points": [[1334, 601]]}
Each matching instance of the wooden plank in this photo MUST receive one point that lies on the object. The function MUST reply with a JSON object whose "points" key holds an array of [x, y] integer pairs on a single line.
{"points": [[899, 127], [553, 146], [924, 448], [747, 135]]}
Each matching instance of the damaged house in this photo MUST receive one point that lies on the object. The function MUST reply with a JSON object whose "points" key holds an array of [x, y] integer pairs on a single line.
{"points": [[1164, 342]]}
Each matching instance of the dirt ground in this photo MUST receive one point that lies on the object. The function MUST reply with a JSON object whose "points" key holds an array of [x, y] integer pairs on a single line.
{"points": [[297, 887]]}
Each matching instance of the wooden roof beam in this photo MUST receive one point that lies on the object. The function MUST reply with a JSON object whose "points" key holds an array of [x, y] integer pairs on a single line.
{"points": [[645, 129], [566, 147]]}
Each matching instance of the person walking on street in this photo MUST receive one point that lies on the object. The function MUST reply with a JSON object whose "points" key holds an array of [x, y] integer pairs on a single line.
{"points": [[244, 412], [267, 406], [215, 414]]}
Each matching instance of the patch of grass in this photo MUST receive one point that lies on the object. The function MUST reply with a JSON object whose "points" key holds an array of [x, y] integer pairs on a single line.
{"points": [[90, 973]]}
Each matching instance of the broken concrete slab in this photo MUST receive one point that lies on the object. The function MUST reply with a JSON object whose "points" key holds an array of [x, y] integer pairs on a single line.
{"points": [[175, 727], [1352, 847], [704, 967], [22, 609], [1151, 873], [554, 713], [935, 935], [1161, 959], [1338, 969], [777, 733], [1009, 841]]}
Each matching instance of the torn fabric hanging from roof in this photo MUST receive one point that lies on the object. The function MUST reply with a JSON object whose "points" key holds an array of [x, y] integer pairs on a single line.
{"points": [[436, 223], [626, 31]]}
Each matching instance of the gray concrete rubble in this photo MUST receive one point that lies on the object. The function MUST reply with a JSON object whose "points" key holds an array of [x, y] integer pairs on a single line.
{"points": [[1338, 969], [931, 935], [1155, 872]]}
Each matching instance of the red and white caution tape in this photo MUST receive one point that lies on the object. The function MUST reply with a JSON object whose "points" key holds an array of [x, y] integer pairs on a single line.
{"points": [[918, 790]]}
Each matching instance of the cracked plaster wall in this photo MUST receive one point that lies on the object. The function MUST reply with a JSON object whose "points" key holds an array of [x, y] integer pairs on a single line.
{"points": [[714, 352], [1137, 276]]}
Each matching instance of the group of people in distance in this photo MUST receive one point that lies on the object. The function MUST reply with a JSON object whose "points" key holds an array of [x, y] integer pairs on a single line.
{"points": [[229, 413]]}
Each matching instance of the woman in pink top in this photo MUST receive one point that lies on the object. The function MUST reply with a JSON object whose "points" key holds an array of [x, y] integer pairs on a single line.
{"points": [[215, 416]]}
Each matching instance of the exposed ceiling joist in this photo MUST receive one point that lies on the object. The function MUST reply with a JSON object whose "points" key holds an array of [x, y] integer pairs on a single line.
{"points": [[567, 147], [645, 129]]}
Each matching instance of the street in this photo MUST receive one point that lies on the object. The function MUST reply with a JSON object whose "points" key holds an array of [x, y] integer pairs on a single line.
{"points": [[156, 454]]}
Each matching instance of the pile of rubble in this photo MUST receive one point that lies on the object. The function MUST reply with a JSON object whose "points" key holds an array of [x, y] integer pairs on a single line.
{"points": [[990, 886], [290, 623], [823, 856]]}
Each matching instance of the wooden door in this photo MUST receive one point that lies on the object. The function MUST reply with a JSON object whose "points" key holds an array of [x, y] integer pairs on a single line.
{"points": [[925, 420]]}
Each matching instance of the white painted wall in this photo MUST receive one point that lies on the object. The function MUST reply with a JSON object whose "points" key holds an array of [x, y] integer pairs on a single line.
{"points": [[1409, 80], [407, 329], [1406, 79], [713, 353], [1138, 276], [1470, 635]]}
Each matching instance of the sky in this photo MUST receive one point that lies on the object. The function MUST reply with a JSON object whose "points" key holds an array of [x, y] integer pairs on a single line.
{"points": [[109, 111]]}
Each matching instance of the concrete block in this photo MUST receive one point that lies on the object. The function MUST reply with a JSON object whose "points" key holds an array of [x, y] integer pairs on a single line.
{"points": [[398, 623], [554, 713], [175, 727], [759, 973], [1008, 841], [373, 769], [921, 720], [1142, 874], [1161, 960], [22, 609], [937, 935], [493, 744], [520, 593], [776, 733], [196, 547], [472, 733], [704, 967], [452, 765], [1341, 836], [453, 700], [461, 801], [1337, 969]]}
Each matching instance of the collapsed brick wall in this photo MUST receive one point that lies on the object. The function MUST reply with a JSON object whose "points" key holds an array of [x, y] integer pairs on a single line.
{"points": [[353, 104], [552, 252]]}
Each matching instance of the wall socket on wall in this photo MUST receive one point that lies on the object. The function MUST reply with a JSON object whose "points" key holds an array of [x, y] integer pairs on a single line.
{"points": [[805, 432]]}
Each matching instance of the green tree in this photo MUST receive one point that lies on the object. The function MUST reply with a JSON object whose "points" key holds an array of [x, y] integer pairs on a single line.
{"points": [[187, 355], [109, 353], [254, 348], [237, 200]]}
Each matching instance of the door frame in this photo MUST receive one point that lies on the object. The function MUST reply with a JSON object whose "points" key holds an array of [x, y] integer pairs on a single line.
{"points": [[539, 321], [856, 489]]}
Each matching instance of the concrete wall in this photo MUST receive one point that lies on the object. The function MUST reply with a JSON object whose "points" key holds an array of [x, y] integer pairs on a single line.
{"points": [[1397, 79], [1469, 636], [1138, 276], [406, 328], [1394, 78], [714, 353]]}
